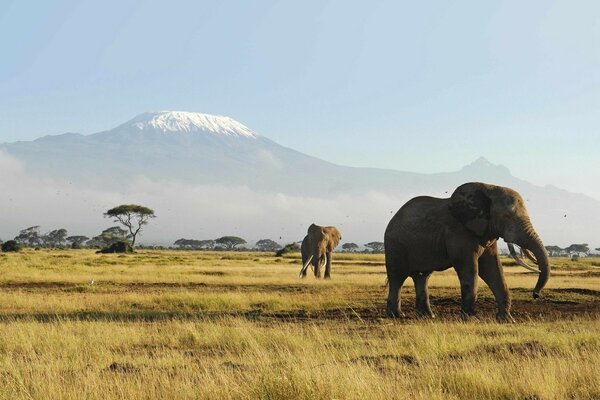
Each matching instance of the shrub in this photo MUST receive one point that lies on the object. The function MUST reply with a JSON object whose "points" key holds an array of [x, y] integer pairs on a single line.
{"points": [[289, 248], [117, 247], [11, 245]]}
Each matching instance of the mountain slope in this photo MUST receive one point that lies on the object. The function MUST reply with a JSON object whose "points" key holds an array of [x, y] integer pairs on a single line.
{"points": [[201, 149]]}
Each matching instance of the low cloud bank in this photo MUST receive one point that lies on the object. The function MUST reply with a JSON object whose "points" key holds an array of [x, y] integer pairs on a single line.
{"points": [[210, 211], [184, 210]]}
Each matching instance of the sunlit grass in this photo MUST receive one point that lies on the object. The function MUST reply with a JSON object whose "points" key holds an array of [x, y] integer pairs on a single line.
{"points": [[178, 324]]}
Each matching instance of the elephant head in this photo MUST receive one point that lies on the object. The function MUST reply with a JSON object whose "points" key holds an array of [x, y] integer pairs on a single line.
{"points": [[491, 212], [317, 246]]}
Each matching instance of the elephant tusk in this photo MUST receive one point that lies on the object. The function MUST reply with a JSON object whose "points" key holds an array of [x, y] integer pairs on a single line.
{"points": [[519, 260], [529, 255], [305, 266]]}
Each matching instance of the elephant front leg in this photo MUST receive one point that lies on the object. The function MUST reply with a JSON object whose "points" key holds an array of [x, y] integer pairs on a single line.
{"points": [[467, 274], [328, 265], [490, 270], [317, 266]]}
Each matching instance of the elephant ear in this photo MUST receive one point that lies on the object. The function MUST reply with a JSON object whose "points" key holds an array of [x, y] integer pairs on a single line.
{"points": [[471, 205], [334, 237]]}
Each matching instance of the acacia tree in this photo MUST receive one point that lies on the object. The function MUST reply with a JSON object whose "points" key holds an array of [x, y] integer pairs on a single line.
{"points": [[132, 216], [376, 247], [29, 236], [187, 243], [55, 238], [578, 248], [554, 250], [267, 245], [229, 242], [350, 247]]}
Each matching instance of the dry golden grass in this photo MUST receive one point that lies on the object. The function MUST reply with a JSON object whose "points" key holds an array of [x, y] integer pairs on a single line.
{"points": [[167, 324]]}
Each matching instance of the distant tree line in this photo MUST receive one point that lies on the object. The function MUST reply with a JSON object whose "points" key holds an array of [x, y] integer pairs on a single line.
{"points": [[581, 249], [59, 238], [226, 243], [132, 216], [371, 247]]}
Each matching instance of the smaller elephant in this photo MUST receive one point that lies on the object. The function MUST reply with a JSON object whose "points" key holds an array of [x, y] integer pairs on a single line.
{"points": [[317, 247]]}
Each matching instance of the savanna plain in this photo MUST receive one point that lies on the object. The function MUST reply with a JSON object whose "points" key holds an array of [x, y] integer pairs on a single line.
{"points": [[182, 324]]}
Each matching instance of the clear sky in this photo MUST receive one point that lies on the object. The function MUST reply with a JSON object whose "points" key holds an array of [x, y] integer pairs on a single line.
{"points": [[420, 86]]}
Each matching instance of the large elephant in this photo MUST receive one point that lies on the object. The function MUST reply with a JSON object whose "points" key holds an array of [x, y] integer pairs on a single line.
{"points": [[431, 234], [317, 246]]}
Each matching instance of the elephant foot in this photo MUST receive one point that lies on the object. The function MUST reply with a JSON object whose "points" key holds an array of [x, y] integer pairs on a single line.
{"points": [[425, 314], [466, 315], [391, 312], [505, 318]]}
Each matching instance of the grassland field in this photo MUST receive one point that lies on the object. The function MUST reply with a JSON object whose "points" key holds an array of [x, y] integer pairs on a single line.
{"points": [[221, 325]]}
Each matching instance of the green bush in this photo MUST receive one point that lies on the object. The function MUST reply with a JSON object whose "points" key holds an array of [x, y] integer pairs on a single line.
{"points": [[11, 245], [117, 247], [289, 248]]}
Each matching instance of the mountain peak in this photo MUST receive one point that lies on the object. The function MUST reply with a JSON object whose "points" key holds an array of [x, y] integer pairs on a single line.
{"points": [[183, 121], [483, 165]]}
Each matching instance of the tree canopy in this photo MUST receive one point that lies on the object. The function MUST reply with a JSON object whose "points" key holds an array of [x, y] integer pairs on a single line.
{"points": [[267, 245], [194, 244], [376, 247], [230, 242], [554, 250], [30, 236], [578, 248], [55, 238], [132, 216], [351, 247]]}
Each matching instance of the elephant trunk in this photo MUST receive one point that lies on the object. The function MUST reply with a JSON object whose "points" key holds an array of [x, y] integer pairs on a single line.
{"points": [[533, 243]]}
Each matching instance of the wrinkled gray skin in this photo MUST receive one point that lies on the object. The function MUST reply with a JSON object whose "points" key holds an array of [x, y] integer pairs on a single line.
{"points": [[316, 249], [430, 234]]}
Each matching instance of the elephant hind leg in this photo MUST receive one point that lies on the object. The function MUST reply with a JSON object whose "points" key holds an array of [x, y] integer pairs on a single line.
{"points": [[422, 305], [394, 309], [396, 276], [467, 275]]}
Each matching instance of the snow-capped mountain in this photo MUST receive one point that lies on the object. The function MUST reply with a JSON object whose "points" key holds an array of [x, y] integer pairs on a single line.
{"points": [[215, 151], [183, 121]]}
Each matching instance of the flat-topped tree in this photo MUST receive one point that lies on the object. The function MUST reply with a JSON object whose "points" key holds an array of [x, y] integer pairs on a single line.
{"points": [[132, 216], [267, 245], [376, 247], [578, 248], [350, 247], [230, 242]]}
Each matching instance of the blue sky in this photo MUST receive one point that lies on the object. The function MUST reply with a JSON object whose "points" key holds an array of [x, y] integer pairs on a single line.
{"points": [[419, 86]]}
